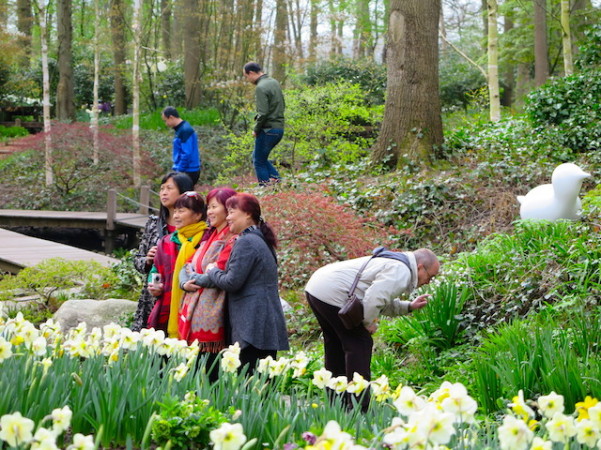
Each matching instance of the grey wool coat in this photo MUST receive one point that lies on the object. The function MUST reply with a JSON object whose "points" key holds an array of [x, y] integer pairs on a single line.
{"points": [[251, 281]]}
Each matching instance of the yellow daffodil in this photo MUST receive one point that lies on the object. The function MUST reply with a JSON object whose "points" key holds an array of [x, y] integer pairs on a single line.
{"points": [[583, 407]]}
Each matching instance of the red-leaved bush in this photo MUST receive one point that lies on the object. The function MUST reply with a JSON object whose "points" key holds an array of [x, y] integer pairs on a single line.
{"points": [[313, 230], [78, 182]]}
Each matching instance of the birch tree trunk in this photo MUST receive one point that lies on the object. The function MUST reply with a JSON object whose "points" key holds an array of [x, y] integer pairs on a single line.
{"points": [[46, 95], [412, 124], [566, 38], [94, 118], [137, 33], [493, 64], [541, 47]]}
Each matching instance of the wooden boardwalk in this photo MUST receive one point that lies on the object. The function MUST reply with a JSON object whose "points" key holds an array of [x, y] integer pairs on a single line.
{"points": [[69, 219], [18, 251]]}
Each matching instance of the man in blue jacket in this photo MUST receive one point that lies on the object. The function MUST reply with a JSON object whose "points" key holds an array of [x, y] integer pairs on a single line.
{"points": [[186, 158]]}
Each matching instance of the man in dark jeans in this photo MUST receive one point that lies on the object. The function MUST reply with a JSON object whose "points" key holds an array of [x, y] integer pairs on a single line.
{"points": [[384, 279], [269, 121]]}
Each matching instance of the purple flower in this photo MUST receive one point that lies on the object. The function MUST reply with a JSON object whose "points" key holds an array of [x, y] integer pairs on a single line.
{"points": [[290, 446], [309, 437]]}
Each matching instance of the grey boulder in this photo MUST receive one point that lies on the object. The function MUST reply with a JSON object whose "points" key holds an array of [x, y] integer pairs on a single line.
{"points": [[95, 313]]}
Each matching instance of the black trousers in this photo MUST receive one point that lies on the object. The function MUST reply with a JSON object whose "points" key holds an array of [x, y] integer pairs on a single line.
{"points": [[346, 351], [250, 356]]}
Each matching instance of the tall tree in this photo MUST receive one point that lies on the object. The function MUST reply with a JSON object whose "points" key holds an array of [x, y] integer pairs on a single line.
{"points": [[314, 20], [42, 9], [166, 28], [493, 62], [363, 28], [279, 51], [192, 52], [541, 46], [412, 121], [137, 29], [118, 23], [95, 111], [509, 76], [24, 24], [566, 38], [65, 102]]}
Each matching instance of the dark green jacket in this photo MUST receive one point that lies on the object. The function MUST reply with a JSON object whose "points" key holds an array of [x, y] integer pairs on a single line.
{"points": [[270, 104]]}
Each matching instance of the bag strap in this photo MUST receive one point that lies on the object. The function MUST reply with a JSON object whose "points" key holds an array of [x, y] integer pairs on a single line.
{"points": [[376, 252]]}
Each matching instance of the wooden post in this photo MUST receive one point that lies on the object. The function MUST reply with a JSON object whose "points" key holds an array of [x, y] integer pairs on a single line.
{"points": [[111, 209], [144, 199]]}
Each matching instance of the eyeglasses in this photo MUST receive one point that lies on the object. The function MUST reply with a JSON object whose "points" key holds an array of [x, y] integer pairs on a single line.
{"points": [[428, 273]]}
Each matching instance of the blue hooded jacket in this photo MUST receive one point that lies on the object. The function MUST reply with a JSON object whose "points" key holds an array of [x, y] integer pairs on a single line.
{"points": [[186, 157]]}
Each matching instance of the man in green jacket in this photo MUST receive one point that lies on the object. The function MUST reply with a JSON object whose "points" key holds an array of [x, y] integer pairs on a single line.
{"points": [[269, 121]]}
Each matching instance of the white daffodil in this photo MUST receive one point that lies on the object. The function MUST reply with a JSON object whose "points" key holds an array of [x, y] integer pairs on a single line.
{"points": [[338, 384], [28, 332], [46, 363], [81, 442], [587, 433], [234, 348], [408, 401], [180, 372], [264, 364], [322, 377], [6, 349], [228, 436], [128, 339], [95, 335], [561, 427], [460, 403], [514, 434], [594, 412], [61, 419], [550, 404], [38, 346], [518, 406], [539, 443], [334, 438], [435, 424], [380, 388], [441, 393], [230, 362], [110, 345], [358, 385], [15, 429], [278, 367], [44, 439], [299, 364], [152, 338], [111, 330]]}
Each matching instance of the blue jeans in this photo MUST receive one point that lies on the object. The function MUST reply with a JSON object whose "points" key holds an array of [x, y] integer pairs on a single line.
{"points": [[264, 143]]}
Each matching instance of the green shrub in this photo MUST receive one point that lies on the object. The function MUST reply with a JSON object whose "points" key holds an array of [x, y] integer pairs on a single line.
{"points": [[153, 121], [12, 132], [370, 76], [572, 106]]}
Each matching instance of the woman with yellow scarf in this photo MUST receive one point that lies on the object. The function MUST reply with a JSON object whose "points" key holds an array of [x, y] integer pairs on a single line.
{"points": [[173, 251]]}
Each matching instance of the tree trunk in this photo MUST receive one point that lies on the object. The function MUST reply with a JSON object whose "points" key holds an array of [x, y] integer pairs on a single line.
{"points": [[94, 118], [192, 52], [49, 176], [566, 38], [493, 63], [24, 23], [118, 42], [166, 28], [362, 34], [412, 123], [509, 77], [137, 34], [315, 8], [541, 47], [65, 103], [279, 44]]}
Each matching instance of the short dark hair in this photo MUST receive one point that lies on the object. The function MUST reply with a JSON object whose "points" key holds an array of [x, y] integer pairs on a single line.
{"points": [[252, 67], [193, 201], [170, 111]]}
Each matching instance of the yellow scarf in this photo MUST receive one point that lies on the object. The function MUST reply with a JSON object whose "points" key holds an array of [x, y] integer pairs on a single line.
{"points": [[189, 236]]}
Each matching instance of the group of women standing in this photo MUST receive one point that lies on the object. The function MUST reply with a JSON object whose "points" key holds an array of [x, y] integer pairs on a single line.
{"points": [[212, 273]]}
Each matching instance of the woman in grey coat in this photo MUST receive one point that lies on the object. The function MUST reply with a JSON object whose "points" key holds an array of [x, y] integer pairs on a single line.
{"points": [[251, 281]]}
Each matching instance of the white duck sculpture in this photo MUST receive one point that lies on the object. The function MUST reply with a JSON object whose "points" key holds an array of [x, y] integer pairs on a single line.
{"points": [[558, 200]]}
